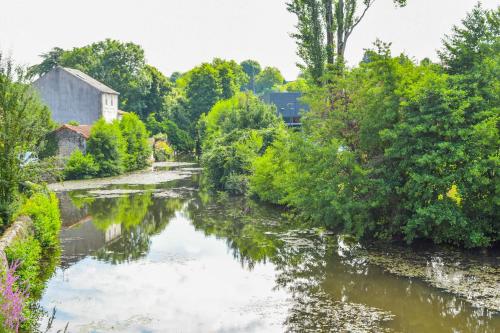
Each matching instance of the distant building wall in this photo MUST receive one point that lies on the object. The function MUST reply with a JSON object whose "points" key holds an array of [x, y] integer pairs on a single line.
{"points": [[69, 141], [68, 98]]}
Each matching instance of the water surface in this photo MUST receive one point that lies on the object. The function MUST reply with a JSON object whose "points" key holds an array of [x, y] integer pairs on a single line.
{"points": [[170, 258]]}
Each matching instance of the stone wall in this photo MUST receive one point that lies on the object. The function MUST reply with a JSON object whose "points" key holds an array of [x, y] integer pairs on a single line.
{"points": [[19, 230], [68, 141]]}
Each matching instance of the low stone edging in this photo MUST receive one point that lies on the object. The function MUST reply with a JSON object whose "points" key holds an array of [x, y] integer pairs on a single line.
{"points": [[20, 229]]}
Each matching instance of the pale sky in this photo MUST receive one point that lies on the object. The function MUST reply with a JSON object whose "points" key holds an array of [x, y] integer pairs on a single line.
{"points": [[180, 34]]}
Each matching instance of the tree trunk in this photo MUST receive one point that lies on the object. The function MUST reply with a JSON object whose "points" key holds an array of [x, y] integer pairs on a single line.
{"points": [[340, 29], [330, 43]]}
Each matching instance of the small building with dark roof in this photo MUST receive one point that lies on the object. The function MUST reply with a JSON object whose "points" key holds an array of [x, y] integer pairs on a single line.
{"points": [[288, 105], [72, 95]]}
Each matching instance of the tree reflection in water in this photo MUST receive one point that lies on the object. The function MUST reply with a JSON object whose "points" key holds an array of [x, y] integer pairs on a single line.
{"points": [[121, 227], [330, 281]]}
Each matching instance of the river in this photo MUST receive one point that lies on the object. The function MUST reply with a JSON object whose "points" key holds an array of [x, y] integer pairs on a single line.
{"points": [[153, 252]]}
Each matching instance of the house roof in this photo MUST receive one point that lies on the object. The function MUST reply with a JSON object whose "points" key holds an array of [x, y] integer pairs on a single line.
{"points": [[288, 104], [90, 80], [83, 130]]}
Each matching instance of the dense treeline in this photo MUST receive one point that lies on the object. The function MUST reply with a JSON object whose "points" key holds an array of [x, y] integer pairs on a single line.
{"points": [[169, 106], [391, 149]]}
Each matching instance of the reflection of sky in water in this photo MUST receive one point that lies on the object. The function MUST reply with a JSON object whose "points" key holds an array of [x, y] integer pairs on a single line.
{"points": [[188, 282]]}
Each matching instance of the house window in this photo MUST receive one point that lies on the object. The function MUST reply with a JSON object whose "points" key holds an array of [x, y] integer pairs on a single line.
{"points": [[112, 100]]}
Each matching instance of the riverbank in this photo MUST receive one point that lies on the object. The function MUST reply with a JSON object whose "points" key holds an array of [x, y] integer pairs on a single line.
{"points": [[158, 173]]}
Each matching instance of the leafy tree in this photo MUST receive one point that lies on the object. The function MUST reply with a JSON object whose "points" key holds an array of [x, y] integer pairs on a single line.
{"points": [[233, 133], [51, 59], [174, 76], [251, 68], [269, 78], [176, 109], [24, 121], [310, 35], [202, 91], [159, 88], [333, 19], [232, 78], [137, 148], [243, 111], [107, 147]]}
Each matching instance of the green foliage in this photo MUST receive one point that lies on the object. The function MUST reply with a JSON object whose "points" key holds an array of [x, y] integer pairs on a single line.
{"points": [[119, 65], [24, 122], [43, 209], [268, 79], [49, 146], [228, 163], [203, 90], [234, 133], [323, 30], [251, 68], [396, 150], [163, 152], [112, 149], [28, 253], [243, 111], [37, 254], [80, 166], [137, 147], [107, 147], [159, 88], [231, 77], [180, 140]]}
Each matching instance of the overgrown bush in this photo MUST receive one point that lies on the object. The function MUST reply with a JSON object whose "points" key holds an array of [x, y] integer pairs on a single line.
{"points": [[43, 209], [28, 254], [107, 147], [137, 148], [80, 166], [163, 152], [35, 257], [234, 133], [180, 140]]}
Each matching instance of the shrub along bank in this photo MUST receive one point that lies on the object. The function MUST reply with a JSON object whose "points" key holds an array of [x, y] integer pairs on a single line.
{"points": [[233, 134], [32, 261], [111, 150], [390, 150]]}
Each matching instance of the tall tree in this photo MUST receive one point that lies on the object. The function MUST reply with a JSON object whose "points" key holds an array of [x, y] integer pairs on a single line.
{"points": [[24, 121], [50, 60], [159, 88], [267, 79], [202, 90], [310, 35], [251, 68], [336, 19]]}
